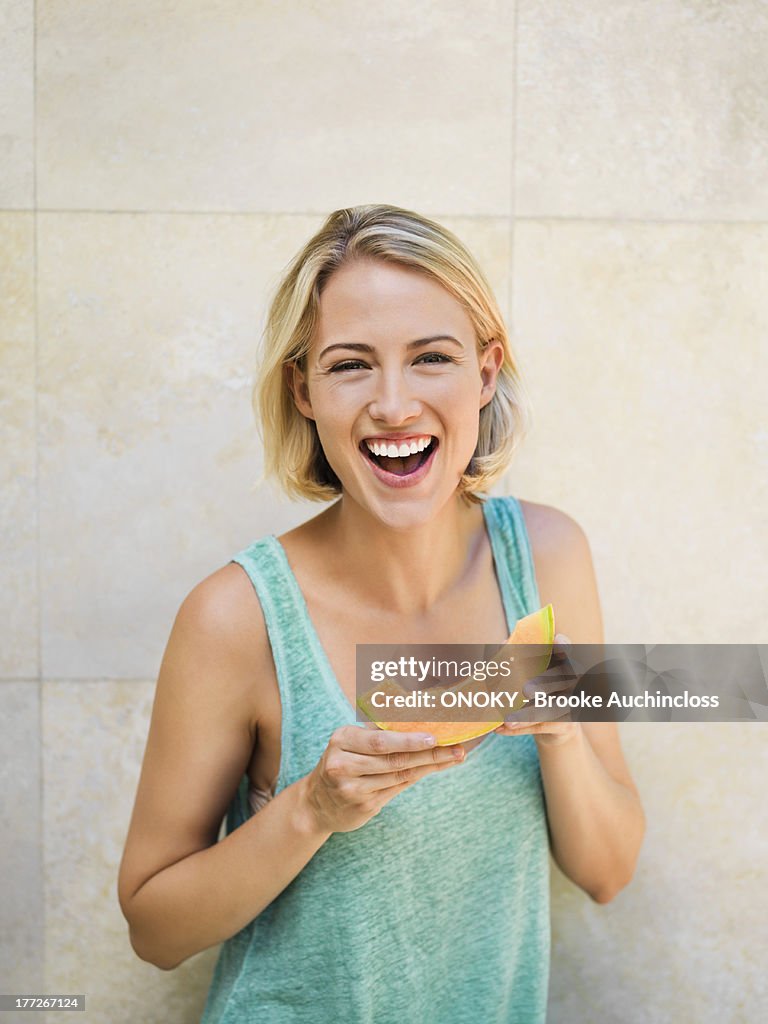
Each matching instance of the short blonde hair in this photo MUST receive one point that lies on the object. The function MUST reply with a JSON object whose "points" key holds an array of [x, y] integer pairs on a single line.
{"points": [[292, 450]]}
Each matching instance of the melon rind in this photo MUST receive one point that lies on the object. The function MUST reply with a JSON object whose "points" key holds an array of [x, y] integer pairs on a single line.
{"points": [[536, 628]]}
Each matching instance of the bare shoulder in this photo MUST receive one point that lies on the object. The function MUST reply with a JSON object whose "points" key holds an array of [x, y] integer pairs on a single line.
{"points": [[225, 602], [550, 529], [222, 615], [565, 571]]}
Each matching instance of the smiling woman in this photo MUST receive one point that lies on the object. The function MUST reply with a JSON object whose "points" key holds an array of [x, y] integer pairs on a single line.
{"points": [[372, 875], [383, 244], [396, 389]]}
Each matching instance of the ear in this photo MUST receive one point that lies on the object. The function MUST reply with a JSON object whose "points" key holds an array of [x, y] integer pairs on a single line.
{"points": [[297, 383], [491, 359]]}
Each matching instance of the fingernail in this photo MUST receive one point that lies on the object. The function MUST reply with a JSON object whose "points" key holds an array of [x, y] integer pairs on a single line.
{"points": [[428, 741]]}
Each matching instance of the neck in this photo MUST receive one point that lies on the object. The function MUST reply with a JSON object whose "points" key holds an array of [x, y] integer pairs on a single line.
{"points": [[404, 572]]}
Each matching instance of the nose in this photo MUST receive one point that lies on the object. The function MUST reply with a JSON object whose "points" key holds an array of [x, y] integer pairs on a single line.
{"points": [[393, 401]]}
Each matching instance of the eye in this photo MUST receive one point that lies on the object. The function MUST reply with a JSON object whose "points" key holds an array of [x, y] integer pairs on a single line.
{"points": [[347, 364], [434, 357]]}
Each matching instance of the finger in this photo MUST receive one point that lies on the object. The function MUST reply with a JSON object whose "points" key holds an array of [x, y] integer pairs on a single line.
{"points": [[385, 751], [557, 735], [537, 728], [397, 761], [400, 778], [546, 702], [368, 738], [539, 716], [544, 716]]}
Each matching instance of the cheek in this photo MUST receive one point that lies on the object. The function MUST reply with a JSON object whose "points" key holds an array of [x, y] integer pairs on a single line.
{"points": [[462, 396], [456, 399], [333, 421], [466, 418]]}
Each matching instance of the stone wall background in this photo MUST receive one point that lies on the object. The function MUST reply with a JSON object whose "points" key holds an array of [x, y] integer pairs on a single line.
{"points": [[159, 165]]}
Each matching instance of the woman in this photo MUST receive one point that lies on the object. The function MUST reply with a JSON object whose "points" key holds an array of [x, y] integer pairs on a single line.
{"points": [[387, 384]]}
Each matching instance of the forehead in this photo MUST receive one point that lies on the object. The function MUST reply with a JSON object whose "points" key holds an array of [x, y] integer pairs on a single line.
{"points": [[385, 300]]}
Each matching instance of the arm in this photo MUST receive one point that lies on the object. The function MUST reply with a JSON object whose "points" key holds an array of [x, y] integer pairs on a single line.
{"points": [[179, 889], [596, 820]]}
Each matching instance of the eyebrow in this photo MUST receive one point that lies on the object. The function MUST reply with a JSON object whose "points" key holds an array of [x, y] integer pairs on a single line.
{"points": [[357, 346]]}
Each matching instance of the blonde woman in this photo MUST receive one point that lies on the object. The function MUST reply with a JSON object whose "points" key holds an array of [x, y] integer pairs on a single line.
{"points": [[367, 875]]}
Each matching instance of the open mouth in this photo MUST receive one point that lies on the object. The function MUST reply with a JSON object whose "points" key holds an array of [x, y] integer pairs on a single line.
{"points": [[401, 465]]}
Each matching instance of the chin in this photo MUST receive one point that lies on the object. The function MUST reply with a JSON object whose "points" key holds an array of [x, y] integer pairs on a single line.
{"points": [[406, 513], [402, 519], [406, 508]]}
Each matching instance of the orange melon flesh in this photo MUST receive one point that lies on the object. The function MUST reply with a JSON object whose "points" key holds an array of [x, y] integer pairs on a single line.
{"points": [[536, 628]]}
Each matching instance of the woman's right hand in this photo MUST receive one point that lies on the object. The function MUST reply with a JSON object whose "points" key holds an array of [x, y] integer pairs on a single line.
{"points": [[364, 767]]}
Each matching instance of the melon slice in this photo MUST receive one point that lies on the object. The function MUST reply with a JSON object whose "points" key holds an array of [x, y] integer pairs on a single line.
{"points": [[537, 628]]}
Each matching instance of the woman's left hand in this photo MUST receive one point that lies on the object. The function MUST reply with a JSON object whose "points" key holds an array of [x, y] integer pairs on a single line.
{"points": [[549, 726]]}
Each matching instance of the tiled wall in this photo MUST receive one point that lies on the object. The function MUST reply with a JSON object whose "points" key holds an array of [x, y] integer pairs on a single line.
{"points": [[159, 165]]}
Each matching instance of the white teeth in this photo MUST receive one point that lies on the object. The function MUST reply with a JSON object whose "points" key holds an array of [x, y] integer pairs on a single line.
{"points": [[393, 450]]}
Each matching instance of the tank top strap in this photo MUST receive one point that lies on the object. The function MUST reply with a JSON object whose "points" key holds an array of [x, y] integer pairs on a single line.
{"points": [[311, 707], [513, 557]]}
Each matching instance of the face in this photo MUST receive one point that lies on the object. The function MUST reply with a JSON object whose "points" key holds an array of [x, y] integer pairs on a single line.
{"points": [[395, 383]]}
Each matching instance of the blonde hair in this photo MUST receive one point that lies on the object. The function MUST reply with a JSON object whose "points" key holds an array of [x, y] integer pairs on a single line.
{"points": [[292, 450]]}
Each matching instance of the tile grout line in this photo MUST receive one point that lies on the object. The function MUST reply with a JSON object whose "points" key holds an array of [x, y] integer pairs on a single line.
{"points": [[650, 221], [161, 212], [617, 220], [79, 680], [511, 320], [512, 180], [38, 564]]}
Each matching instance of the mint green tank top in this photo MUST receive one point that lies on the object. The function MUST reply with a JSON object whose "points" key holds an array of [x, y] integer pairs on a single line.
{"points": [[436, 911]]}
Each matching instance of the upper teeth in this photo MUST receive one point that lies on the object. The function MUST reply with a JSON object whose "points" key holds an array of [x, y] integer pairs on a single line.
{"points": [[392, 450]]}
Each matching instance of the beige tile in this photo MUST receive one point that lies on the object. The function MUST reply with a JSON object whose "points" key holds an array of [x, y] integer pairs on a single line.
{"points": [[642, 110], [149, 452], [21, 871], [273, 107], [94, 736], [18, 518], [685, 939], [644, 349], [17, 110], [489, 239]]}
